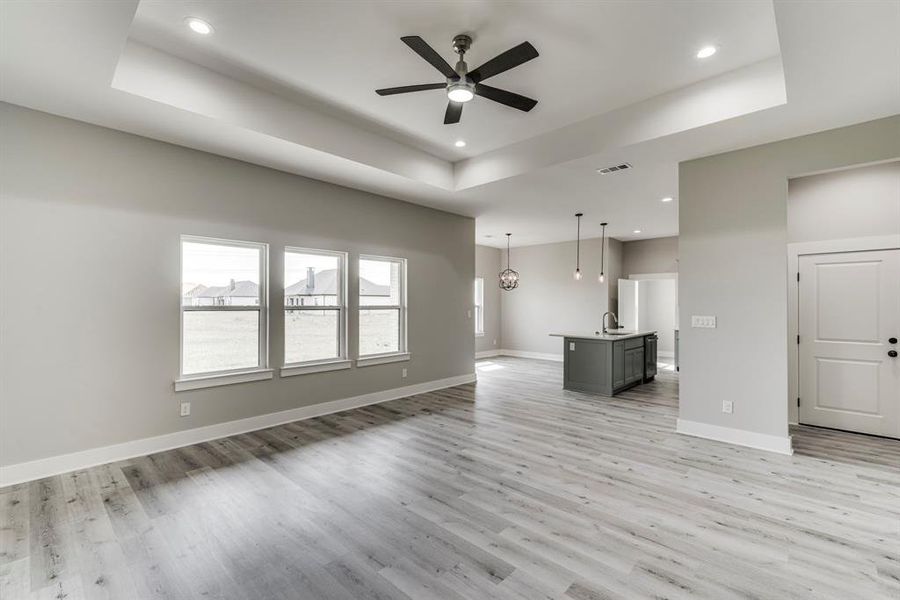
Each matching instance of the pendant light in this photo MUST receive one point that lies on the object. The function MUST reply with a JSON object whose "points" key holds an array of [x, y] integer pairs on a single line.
{"points": [[603, 252], [509, 279], [578, 247]]}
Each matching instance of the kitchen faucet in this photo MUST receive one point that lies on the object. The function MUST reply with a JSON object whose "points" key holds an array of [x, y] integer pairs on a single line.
{"points": [[615, 320]]}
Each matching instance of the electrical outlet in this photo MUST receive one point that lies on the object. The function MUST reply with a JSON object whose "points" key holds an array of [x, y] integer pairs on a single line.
{"points": [[185, 409], [727, 407], [703, 322], [571, 346], [495, 342], [469, 314], [403, 373]]}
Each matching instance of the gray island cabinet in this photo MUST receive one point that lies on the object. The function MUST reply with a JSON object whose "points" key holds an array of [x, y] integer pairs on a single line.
{"points": [[608, 363]]}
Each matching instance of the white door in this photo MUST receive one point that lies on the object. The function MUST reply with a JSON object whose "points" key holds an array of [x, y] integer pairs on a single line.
{"points": [[849, 325], [628, 304]]}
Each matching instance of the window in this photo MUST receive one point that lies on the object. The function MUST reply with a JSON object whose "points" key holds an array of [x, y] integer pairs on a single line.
{"points": [[382, 307], [314, 306], [479, 306], [223, 307]]}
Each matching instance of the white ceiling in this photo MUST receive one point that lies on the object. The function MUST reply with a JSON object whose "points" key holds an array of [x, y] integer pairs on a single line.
{"points": [[290, 85], [594, 56]]}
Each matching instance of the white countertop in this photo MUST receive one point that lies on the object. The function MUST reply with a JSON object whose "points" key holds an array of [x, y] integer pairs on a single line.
{"points": [[608, 337]]}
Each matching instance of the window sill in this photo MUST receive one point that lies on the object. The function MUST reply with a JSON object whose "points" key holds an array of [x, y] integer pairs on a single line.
{"points": [[315, 367], [381, 359], [208, 381]]}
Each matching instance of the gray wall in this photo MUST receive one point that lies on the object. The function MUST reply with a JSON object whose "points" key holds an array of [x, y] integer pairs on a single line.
{"points": [[549, 299], [732, 264], [845, 204], [657, 255], [90, 221], [487, 265]]}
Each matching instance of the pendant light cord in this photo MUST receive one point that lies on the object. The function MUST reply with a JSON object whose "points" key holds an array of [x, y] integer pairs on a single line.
{"points": [[603, 249], [578, 245], [507, 251]]}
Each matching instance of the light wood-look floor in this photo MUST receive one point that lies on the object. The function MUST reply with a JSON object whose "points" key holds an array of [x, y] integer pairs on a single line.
{"points": [[511, 488]]}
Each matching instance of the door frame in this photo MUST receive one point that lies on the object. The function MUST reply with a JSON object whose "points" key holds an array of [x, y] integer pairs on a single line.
{"points": [[794, 252], [656, 276]]}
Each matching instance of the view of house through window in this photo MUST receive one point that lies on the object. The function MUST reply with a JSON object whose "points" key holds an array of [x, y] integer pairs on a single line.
{"points": [[382, 309], [479, 306], [223, 306], [313, 305]]}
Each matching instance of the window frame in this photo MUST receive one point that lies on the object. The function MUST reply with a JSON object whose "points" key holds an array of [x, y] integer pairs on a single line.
{"points": [[188, 381], [402, 352], [326, 364], [479, 307]]}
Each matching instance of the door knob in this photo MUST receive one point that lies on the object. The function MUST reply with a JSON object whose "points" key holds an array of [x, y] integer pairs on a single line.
{"points": [[892, 353], [892, 340]]}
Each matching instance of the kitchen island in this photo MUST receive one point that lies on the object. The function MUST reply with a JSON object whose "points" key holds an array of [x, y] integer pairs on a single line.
{"points": [[608, 363]]}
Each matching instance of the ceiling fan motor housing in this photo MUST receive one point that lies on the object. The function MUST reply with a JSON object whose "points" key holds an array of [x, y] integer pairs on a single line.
{"points": [[462, 43]]}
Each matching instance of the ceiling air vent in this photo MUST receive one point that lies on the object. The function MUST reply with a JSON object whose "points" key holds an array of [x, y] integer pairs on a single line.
{"points": [[613, 169]]}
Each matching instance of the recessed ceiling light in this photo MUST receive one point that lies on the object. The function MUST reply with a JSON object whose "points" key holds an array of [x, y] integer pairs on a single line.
{"points": [[706, 51], [666, 199], [460, 143], [199, 25], [636, 231]]}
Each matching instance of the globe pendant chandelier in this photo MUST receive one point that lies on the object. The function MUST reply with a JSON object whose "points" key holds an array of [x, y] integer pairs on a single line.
{"points": [[509, 279]]}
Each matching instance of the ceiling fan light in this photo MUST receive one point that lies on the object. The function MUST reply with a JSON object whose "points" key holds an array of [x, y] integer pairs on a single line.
{"points": [[460, 92]]}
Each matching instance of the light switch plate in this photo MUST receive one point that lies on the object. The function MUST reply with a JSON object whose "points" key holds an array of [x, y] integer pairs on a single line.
{"points": [[704, 322]]}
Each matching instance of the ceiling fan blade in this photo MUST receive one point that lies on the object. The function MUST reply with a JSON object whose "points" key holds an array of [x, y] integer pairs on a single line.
{"points": [[504, 62], [421, 47], [454, 112], [410, 88], [504, 97]]}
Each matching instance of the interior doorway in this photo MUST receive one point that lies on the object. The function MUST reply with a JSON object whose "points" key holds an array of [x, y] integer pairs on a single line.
{"points": [[849, 324], [650, 302]]}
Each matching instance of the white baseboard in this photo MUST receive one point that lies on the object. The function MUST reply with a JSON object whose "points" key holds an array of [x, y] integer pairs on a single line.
{"points": [[534, 355], [538, 355], [54, 465], [740, 437], [519, 354]]}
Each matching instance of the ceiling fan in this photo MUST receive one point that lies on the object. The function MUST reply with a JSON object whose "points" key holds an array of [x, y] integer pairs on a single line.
{"points": [[462, 85]]}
